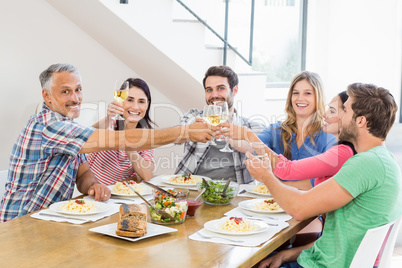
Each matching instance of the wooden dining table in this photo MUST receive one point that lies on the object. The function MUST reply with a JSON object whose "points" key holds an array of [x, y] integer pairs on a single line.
{"points": [[29, 242]]}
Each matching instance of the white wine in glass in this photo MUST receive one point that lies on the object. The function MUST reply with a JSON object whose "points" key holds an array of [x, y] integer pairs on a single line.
{"points": [[212, 115], [213, 119], [258, 150], [120, 95]]}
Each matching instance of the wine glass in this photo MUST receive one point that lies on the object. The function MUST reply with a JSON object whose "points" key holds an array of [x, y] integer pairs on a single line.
{"points": [[225, 117], [212, 115], [258, 150], [120, 95]]}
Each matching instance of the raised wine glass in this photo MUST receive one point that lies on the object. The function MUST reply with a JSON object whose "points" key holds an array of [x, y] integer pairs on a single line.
{"points": [[120, 95], [225, 117], [258, 150], [212, 115]]}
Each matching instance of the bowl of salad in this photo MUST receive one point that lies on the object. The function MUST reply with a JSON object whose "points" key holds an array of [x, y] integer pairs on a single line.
{"points": [[176, 209], [214, 195]]}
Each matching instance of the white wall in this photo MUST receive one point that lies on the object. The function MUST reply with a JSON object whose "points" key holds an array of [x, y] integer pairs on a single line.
{"points": [[33, 36], [355, 41]]}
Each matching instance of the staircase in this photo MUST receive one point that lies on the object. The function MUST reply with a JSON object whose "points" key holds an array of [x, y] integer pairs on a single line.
{"points": [[163, 44]]}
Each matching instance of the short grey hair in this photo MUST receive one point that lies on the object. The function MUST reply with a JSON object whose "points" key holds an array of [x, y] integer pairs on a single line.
{"points": [[46, 77]]}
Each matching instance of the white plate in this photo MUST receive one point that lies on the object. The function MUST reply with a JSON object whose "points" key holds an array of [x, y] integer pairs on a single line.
{"points": [[165, 179], [152, 230], [261, 194], [145, 191], [249, 205], [99, 208], [215, 226]]}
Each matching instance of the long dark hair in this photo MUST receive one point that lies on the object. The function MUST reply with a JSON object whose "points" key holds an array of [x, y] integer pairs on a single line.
{"points": [[145, 122]]}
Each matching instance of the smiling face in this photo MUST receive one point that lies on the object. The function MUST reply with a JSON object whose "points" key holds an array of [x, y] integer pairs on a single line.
{"points": [[303, 99], [217, 88], [65, 95], [333, 116], [135, 106]]}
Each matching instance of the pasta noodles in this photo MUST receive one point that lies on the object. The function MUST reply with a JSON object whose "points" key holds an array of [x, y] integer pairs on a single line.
{"points": [[261, 189], [120, 188], [238, 225], [79, 206], [267, 205], [184, 179]]}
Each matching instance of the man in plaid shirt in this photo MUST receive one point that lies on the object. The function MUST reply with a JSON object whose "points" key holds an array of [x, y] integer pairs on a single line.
{"points": [[48, 158], [221, 84]]}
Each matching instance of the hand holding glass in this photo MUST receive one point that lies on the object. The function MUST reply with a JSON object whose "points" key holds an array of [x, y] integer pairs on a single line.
{"points": [[120, 95]]}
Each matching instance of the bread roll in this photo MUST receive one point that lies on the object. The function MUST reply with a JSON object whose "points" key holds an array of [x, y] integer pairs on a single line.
{"points": [[131, 225], [133, 211], [133, 220]]}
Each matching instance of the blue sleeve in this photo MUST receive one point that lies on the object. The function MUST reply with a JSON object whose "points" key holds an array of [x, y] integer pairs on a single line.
{"points": [[268, 135], [65, 137]]}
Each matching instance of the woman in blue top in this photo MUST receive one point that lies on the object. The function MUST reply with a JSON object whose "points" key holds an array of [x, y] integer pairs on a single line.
{"points": [[300, 135]]}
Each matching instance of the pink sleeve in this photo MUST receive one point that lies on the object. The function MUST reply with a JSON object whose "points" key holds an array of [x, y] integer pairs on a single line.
{"points": [[147, 155], [322, 165]]}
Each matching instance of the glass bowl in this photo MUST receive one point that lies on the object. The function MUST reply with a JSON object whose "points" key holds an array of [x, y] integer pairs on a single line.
{"points": [[159, 195], [213, 193], [176, 208]]}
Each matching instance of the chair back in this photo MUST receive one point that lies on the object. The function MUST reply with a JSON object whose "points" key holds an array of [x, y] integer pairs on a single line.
{"points": [[370, 246], [3, 180], [386, 256]]}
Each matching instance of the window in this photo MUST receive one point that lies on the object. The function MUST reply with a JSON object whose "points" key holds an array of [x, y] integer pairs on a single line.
{"points": [[277, 26], [278, 40]]}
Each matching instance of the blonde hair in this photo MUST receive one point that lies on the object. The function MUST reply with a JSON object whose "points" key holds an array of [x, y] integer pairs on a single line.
{"points": [[289, 126]]}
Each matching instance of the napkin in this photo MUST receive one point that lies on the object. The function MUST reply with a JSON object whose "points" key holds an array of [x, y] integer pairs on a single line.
{"points": [[240, 240], [272, 218], [75, 219]]}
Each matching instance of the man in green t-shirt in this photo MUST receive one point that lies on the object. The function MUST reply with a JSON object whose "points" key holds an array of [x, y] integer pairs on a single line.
{"points": [[364, 194]]}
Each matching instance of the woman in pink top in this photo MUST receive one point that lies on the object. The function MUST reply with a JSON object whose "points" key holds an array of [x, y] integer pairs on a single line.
{"points": [[110, 167], [322, 167]]}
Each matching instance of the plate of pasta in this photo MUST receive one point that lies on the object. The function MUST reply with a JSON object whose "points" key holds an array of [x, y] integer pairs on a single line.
{"points": [[236, 226], [260, 189], [183, 179], [120, 189], [79, 207], [267, 205]]}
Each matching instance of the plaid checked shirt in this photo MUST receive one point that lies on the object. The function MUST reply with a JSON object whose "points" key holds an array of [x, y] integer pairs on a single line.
{"points": [[195, 153], [43, 163]]}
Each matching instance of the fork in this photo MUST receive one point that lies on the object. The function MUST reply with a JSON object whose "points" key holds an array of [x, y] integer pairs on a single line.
{"points": [[210, 237]]}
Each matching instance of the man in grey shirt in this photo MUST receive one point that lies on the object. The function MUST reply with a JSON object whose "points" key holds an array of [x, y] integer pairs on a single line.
{"points": [[220, 84]]}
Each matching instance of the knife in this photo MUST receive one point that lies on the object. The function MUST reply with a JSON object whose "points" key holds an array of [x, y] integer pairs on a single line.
{"points": [[60, 216]]}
